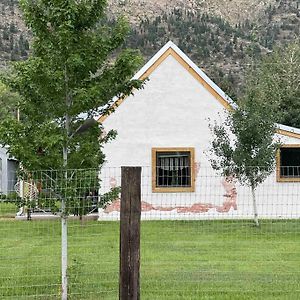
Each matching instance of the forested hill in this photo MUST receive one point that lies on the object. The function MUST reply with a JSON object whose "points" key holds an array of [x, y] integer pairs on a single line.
{"points": [[224, 50], [222, 37]]}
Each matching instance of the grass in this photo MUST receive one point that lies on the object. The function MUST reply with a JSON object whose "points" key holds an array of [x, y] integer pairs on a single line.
{"points": [[179, 260], [7, 210]]}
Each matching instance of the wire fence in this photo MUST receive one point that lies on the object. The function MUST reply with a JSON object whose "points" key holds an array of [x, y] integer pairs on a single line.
{"points": [[199, 243]]}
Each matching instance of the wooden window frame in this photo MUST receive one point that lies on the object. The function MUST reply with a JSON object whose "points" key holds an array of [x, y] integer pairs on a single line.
{"points": [[189, 189], [278, 160]]}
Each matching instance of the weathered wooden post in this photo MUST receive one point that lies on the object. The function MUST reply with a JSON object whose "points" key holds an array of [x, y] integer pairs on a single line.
{"points": [[130, 217]]}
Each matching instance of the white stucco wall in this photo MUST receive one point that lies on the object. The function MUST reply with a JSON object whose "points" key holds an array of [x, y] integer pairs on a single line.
{"points": [[173, 110]]}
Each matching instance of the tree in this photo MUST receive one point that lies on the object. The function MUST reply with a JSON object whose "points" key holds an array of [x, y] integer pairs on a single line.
{"points": [[276, 80], [77, 66], [75, 69], [244, 146], [8, 102]]}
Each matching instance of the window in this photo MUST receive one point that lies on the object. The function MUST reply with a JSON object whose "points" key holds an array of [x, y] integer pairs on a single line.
{"points": [[288, 163], [172, 170]]}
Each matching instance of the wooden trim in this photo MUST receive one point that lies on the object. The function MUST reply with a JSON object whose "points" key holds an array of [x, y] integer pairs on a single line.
{"points": [[114, 106], [288, 133], [290, 146], [278, 165], [146, 74], [201, 80], [278, 159], [153, 67], [173, 189]]}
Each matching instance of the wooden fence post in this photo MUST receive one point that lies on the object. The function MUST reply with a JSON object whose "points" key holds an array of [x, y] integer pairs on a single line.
{"points": [[130, 217]]}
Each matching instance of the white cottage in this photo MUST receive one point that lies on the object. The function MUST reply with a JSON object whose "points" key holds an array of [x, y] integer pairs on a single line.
{"points": [[164, 129]]}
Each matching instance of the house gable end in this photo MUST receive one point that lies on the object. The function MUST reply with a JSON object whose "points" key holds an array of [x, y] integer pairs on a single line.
{"points": [[171, 49]]}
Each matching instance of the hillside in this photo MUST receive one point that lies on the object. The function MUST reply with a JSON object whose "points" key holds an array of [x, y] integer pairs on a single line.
{"points": [[223, 37], [233, 11], [14, 36], [223, 49]]}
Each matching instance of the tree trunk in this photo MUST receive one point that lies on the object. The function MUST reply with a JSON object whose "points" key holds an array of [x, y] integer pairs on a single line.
{"points": [[64, 217], [64, 236], [254, 206]]}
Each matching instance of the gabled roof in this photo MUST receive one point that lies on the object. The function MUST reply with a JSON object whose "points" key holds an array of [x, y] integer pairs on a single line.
{"points": [[170, 49], [288, 131]]}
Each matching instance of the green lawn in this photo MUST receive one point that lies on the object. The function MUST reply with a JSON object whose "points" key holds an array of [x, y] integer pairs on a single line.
{"points": [[7, 210], [179, 260]]}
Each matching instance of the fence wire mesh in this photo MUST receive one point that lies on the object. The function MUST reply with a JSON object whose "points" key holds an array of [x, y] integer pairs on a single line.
{"points": [[199, 244]]}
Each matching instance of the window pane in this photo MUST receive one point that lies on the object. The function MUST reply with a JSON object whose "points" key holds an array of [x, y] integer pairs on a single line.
{"points": [[173, 169], [290, 162]]}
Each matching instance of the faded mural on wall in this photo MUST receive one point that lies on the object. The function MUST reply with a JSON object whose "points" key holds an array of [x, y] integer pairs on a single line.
{"points": [[229, 200]]}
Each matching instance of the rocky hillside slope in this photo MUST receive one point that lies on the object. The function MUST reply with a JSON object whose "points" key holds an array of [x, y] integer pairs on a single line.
{"points": [[233, 11], [223, 37]]}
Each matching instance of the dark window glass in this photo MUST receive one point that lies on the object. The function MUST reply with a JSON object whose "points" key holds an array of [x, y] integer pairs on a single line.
{"points": [[173, 169], [290, 162]]}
